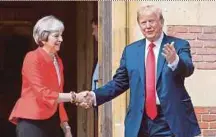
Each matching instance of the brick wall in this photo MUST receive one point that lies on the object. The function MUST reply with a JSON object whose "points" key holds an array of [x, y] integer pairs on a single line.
{"points": [[207, 120], [202, 40]]}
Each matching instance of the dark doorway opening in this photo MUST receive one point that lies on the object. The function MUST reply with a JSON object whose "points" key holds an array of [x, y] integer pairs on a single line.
{"points": [[14, 45], [16, 23]]}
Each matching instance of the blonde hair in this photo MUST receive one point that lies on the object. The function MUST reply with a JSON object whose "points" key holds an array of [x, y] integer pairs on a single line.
{"points": [[151, 8]]}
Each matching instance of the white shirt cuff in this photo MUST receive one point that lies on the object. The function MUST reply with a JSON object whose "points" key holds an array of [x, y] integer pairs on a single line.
{"points": [[173, 65], [94, 99]]}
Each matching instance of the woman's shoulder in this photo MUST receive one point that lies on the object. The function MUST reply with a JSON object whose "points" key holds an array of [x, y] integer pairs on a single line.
{"points": [[31, 56]]}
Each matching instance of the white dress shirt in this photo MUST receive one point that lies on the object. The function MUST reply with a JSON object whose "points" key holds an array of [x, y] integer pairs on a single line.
{"points": [[95, 77], [55, 62], [156, 50]]}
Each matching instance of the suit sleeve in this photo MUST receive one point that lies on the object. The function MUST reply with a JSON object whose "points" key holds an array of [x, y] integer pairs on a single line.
{"points": [[116, 86], [185, 65], [33, 74], [62, 113]]}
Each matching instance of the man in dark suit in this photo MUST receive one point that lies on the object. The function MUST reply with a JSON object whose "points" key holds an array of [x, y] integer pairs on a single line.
{"points": [[95, 72], [154, 68]]}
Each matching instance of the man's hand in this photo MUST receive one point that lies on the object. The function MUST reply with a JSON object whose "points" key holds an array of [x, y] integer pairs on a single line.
{"points": [[169, 52], [85, 99]]}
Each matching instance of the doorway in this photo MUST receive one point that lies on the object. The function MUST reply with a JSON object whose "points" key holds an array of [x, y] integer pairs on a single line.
{"points": [[16, 23]]}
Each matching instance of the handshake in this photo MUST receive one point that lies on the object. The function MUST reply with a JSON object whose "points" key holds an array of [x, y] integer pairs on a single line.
{"points": [[85, 99]]}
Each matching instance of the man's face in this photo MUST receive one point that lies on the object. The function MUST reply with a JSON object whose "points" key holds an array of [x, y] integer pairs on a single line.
{"points": [[95, 31], [150, 25]]}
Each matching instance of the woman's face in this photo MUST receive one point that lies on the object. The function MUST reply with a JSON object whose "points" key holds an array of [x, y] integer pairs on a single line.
{"points": [[53, 43]]}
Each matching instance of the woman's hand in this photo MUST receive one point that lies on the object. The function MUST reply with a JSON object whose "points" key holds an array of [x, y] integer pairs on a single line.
{"points": [[68, 133], [66, 129]]}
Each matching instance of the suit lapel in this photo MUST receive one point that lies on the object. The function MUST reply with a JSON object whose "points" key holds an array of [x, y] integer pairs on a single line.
{"points": [[161, 58], [141, 59], [46, 57]]}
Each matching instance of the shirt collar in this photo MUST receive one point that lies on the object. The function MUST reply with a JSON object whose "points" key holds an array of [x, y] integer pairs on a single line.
{"points": [[157, 42]]}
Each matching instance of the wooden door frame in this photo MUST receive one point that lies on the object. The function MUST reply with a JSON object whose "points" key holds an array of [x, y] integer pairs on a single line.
{"points": [[105, 61]]}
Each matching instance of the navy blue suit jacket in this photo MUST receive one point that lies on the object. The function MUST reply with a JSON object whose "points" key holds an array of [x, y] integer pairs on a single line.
{"points": [[174, 99]]}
